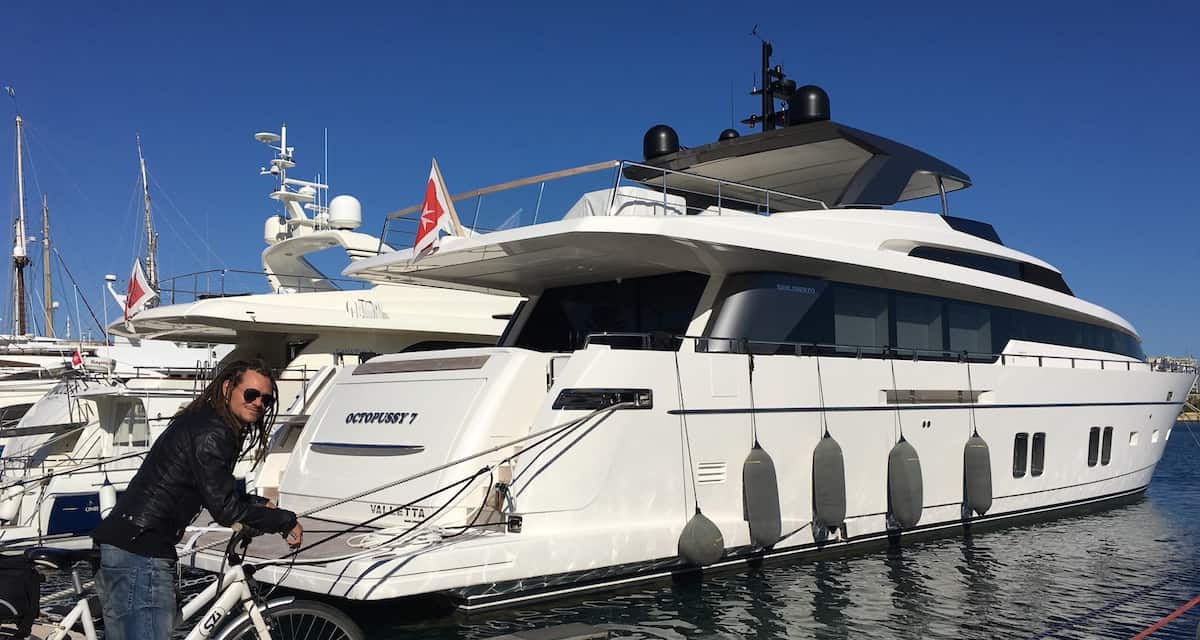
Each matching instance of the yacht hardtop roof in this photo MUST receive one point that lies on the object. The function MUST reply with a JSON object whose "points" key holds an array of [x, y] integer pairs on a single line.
{"points": [[859, 246], [380, 309], [823, 161]]}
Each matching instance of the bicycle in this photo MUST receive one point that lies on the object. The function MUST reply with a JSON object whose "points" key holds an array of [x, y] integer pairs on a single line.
{"points": [[278, 619]]}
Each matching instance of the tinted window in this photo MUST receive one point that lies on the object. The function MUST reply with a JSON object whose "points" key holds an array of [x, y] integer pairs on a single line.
{"points": [[1093, 446], [991, 264], [918, 322], [970, 327], [1044, 277], [973, 227], [860, 317], [1037, 461], [781, 308], [1020, 454], [1024, 271], [772, 308], [1106, 448], [563, 318]]}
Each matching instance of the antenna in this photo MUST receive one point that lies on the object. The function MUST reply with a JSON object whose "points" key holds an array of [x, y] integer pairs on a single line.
{"points": [[326, 175], [775, 86], [12, 93]]}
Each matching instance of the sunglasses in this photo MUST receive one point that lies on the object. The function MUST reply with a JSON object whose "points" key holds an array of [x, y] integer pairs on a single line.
{"points": [[250, 395]]}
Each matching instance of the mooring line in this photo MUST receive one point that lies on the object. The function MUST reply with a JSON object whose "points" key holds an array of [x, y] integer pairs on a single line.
{"points": [[1162, 623], [1087, 615]]}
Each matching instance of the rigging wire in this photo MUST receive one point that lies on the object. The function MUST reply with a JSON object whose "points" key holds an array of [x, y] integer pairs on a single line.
{"points": [[896, 398], [753, 412], [690, 472], [821, 398], [195, 233], [81, 296], [971, 399]]}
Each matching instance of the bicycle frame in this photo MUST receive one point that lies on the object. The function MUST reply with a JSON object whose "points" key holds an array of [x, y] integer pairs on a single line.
{"points": [[228, 592], [233, 589], [82, 611]]}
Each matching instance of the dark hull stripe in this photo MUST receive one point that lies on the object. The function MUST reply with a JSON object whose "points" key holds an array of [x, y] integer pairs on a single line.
{"points": [[918, 407]]}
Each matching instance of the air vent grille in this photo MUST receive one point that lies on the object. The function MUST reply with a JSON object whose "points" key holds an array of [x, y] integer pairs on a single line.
{"points": [[710, 473]]}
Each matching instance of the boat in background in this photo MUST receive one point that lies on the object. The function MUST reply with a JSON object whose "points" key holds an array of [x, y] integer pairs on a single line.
{"points": [[308, 324]]}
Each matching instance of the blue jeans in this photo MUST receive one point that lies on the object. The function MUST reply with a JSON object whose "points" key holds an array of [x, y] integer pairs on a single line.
{"points": [[137, 594]]}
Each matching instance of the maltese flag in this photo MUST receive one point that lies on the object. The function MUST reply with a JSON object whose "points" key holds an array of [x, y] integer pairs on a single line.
{"points": [[437, 214], [140, 294]]}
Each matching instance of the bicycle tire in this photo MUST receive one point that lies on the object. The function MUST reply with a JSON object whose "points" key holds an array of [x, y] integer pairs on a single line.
{"points": [[300, 619]]}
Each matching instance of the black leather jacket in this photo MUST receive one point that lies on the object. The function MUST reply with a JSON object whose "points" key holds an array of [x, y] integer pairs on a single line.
{"points": [[190, 467]]}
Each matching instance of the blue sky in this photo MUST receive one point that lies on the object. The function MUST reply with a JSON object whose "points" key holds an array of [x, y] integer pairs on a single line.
{"points": [[1076, 121]]}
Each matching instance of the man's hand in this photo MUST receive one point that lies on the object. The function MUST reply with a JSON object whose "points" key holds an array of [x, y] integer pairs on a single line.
{"points": [[295, 537]]}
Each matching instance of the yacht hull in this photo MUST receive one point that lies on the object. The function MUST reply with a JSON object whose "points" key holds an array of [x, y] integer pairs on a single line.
{"points": [[602, 503]]}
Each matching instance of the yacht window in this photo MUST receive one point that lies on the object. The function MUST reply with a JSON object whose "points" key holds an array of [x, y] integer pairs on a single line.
{"points": [[1020, 454], [970, 328], [918, 322], [440, 345], [978, 262], [60, 445], [564, 317], [973, 227], [12, 414], [1093, 446], [768, 309], [1106, 448], [1024, 271], [860, 317], [134, 430], [1037, 463], [294, 349]]}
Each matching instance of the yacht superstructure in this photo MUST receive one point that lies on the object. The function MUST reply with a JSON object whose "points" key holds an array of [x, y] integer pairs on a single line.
{"points": [[728, 353]]}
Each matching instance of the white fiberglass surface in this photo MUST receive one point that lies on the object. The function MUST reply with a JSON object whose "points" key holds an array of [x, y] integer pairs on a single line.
{"points": [[372, 432]]}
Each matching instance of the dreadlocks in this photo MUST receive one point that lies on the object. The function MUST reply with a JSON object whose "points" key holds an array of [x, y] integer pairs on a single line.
{"points": [[219, 394]]}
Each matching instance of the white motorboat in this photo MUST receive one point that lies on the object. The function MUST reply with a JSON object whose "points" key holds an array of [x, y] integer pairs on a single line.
{"points": [[54, 491], [729, 353]]}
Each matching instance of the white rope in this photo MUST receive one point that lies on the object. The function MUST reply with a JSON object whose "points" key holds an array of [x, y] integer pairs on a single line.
{"points": [[62, 472]]}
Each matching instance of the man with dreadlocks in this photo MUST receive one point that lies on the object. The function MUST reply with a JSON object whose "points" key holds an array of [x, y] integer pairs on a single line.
{"points": [[189, 467]]}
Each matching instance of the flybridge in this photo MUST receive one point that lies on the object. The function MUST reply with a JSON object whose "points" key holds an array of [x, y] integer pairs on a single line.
{"points": [[812, 163]]}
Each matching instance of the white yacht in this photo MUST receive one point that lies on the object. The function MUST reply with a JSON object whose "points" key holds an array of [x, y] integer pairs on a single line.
{"points": [[53, 492], [728, 353]]}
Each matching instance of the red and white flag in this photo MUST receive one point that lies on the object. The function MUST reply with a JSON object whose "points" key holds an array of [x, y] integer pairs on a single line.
{"points": [[437, 215], [76, 359], [140, 294]]}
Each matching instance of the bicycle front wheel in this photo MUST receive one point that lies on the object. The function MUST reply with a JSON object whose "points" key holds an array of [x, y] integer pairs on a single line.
{"points": [[300, 619]]}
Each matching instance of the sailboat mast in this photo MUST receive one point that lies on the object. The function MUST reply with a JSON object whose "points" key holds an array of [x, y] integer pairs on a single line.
{"points": [[20, 256], [151, 237], [47, 298]]}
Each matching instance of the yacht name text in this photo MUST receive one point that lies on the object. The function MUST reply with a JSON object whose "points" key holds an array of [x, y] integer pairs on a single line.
{"points": [[381, 417]]}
